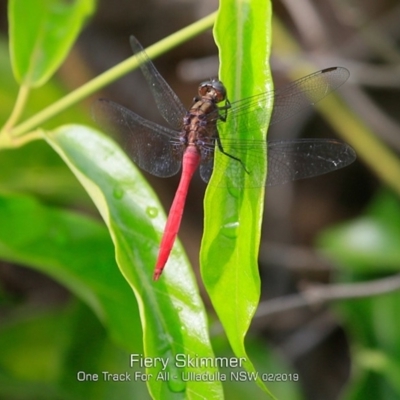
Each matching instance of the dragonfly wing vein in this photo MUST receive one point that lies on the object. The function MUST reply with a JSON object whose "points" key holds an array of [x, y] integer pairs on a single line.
{"points": [[306, 91], [154, 148], [168, 103], [306, 158]]}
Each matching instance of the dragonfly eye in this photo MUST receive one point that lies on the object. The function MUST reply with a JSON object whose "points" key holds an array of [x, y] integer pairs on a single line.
{"points": [[214, 89]]}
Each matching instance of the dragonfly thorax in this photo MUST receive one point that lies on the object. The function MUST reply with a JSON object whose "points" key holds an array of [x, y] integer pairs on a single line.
{"points": [[213, 89]]}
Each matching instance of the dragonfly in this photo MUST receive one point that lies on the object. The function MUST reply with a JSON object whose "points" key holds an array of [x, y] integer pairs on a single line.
{"points": [[192, 138]]}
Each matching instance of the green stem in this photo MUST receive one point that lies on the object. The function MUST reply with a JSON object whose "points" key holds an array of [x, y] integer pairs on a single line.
{"points": [[113, 74], [18, 108], [368, 146]]}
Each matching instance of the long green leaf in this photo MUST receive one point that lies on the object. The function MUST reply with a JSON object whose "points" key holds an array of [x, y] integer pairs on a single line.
{"points": [[173, 318], [41, 354], [233, 217], [41, 35], [77, 252]]}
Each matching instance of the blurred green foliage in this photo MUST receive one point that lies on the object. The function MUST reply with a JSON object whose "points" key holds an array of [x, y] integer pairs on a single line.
{"points": [[367, 248]]}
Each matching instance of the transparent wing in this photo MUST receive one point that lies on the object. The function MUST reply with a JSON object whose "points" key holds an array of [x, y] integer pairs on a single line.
{"points": [[153, 148], [168, 103], [287, 161], [207, 163], [305, 158], [241, 166], [248, 114], [293, 98]]}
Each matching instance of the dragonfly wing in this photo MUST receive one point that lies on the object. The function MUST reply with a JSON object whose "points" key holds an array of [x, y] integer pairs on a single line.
{"points": [[240, 164], [287, 161], [306, 91], [305, 158], [207, 163], [168, 103], [249, 114], [153, 148]]}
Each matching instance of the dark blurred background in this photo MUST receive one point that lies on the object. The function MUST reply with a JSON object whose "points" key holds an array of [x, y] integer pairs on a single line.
{"points": [[362, 36]]}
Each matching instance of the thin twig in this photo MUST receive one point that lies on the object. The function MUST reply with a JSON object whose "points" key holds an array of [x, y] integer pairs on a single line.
{"points": [[318, 295]]}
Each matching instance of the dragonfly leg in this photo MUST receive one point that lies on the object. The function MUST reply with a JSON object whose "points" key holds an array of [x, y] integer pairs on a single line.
{"points": [[221, 149], [224, 108]]}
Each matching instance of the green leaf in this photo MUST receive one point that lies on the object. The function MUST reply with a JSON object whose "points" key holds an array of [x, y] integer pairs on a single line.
{"points": [[41, 355], [368, 244], [373, 328], [233, 219], [8, 86], [35, 168], [74, 250], [41, 35], [172, 314]]}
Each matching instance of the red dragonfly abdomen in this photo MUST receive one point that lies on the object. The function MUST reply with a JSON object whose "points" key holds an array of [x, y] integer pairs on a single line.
{"points": [[191, 160]]}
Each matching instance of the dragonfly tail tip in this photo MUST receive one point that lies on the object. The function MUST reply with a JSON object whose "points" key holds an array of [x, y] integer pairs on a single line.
{"points": [[157, 274]]}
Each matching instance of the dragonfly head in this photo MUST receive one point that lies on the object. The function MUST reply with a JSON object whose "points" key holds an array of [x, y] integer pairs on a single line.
{"points": [[213, 89]]}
